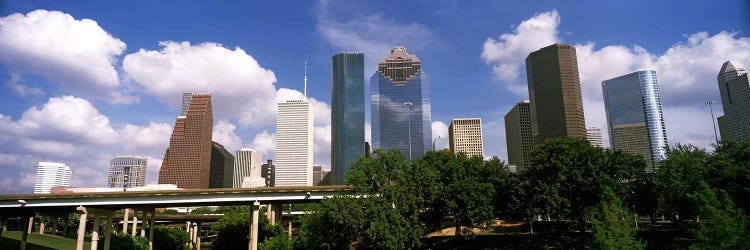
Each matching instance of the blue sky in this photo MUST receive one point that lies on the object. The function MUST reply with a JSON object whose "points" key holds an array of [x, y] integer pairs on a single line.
{"points": [[123, 73]]}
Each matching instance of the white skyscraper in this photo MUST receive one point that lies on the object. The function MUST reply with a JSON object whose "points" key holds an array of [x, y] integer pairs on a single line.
{"points": [[247, 164], [294, 144], [51, 174], [594, 135], [127, 171]]}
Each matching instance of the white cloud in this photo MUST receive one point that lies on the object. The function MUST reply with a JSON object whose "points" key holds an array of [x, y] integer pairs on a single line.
{"points": [[507, 53], [240, 87], [22, 89], [439, 129], [264, 143], [224, 134], [64, 118], [686, 71], [77, 54], [153, 138], [371, 33]]}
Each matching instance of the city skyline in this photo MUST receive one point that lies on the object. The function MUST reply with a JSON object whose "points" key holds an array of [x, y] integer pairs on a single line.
{"points": [[134, 100]]}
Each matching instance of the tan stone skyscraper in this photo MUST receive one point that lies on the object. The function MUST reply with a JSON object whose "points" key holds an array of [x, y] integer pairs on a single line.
{"points": [[466, 136], [555, 93], [187, 162]]}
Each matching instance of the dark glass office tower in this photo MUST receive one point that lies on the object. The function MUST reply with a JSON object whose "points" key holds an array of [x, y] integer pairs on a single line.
{"points": [[347, 113], [518, 136], [555, 93], [222, 167], [401, 113]]}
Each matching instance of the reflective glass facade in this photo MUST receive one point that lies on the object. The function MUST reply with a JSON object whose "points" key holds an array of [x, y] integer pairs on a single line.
{"points": [[634, 115], [399, 81], [734, 87], [347, 113]]}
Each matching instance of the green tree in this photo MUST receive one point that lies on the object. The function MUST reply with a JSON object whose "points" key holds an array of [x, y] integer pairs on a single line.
{"points": [[122, 241], [612, 225], [203, 210], [729, 169], [722, 225], [334, 223], [679, 175], [170, 239]]}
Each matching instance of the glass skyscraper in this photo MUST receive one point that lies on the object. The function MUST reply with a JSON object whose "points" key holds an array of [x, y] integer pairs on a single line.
{"points": [[634, 115], [734, 87], [347, 113], [401, 113]]}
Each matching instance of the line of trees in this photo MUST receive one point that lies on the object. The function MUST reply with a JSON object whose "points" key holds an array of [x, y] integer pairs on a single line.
{"points": [[394, 203]]}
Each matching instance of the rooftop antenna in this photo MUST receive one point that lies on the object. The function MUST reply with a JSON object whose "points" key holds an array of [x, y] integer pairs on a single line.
{"points": [[305, 79]]}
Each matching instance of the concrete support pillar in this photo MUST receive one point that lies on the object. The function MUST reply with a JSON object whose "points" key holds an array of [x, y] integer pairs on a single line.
{"points": [[269, 214], [81, 228], [199, 226], [194, 238], [95, 233], [289, 230], [2, 226], [24, 233], [276, 214], [151, 226], [254, 227], [135, 225], [190, 234], [125, 213], [31, 224], [107, 233], [41, 228]]}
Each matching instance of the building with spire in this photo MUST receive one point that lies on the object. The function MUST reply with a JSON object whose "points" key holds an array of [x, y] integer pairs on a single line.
{"points": [[347, 113], [401, 112], [634, 116], [187, 161], [735, 99], [556, 104], [294, 142]]}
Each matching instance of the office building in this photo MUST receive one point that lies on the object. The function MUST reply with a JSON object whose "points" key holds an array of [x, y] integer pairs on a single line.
{"points": [[518, 136], [735, 98], [594, 136], [187, 160], [465, 136], [294, 144], [319, 174], [634, 115], [248, 164], [267, 171], [127, 172], [441, 143], [347, 113], [51, 174], [555, 93], [222, 167], [401, 113]]}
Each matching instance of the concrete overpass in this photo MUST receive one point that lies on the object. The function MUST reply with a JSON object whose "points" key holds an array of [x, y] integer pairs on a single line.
{"points": [[102, 205]]}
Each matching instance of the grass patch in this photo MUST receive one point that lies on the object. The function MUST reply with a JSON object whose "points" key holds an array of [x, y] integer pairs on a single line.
{"points": [[12, 240]]}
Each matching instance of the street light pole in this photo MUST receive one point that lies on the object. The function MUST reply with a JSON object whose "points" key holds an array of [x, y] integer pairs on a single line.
{"points": [[408, 105], [710, 106]]}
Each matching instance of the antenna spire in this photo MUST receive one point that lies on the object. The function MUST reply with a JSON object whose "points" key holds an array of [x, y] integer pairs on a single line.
{"points": [[305, 79]]}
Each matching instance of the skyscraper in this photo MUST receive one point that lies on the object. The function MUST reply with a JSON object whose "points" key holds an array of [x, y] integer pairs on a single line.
{"points": [[247, 164], [634, 116], [51, 174], [187, 161], [440, 143], [347, 113], [268, 172], [294, 144], [466, 136], [594, 135], [518, 135], [318, 175], [735, 98], [222, 167], [127, 171], [555, 93], [401, 116]]}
